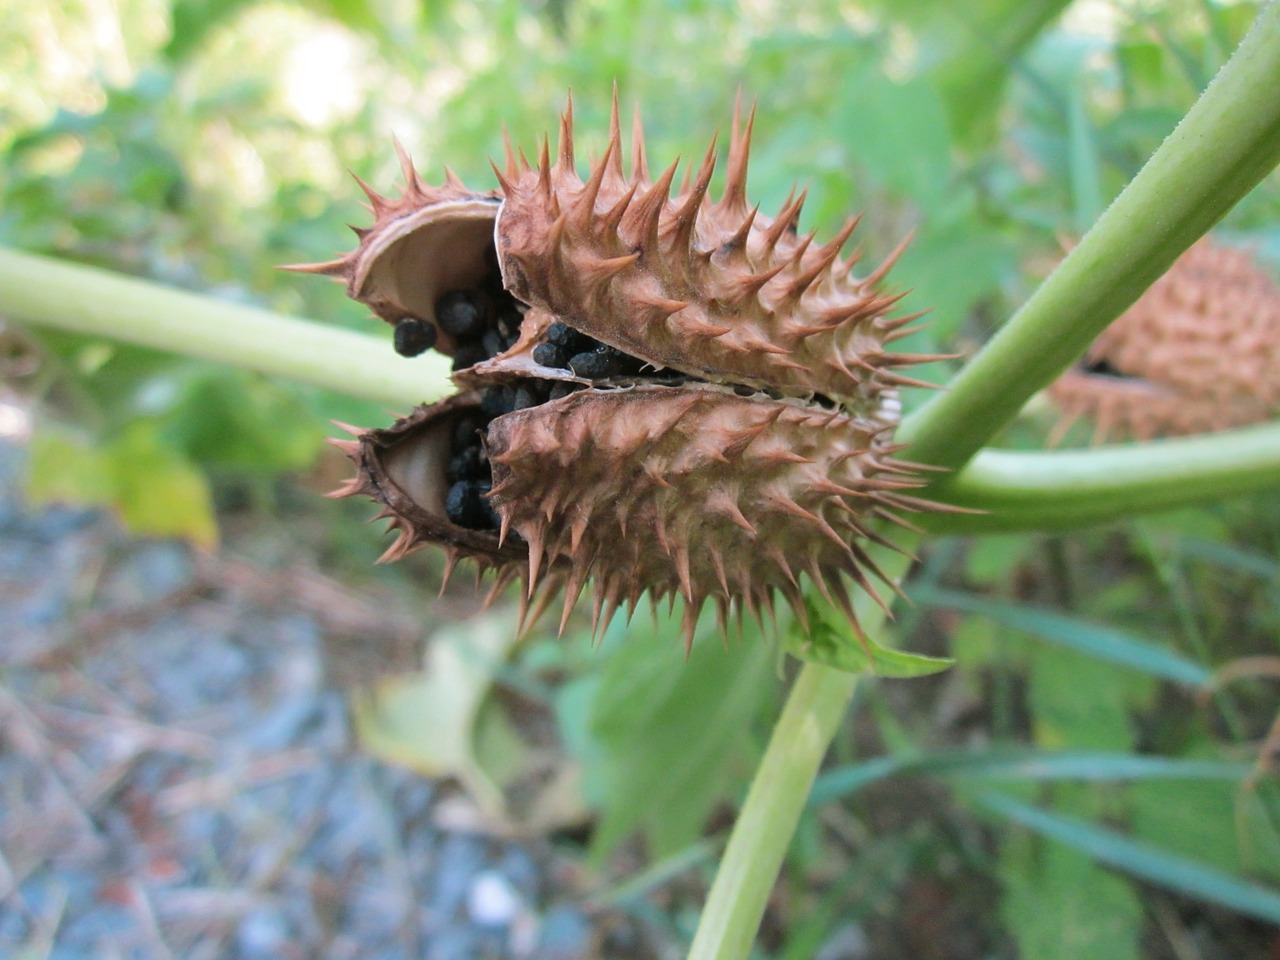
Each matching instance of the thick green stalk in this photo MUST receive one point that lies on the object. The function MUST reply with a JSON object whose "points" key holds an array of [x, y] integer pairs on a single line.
{"points": [[1019, 491], [1071, 488], [778, 794], [1224, 147], [41, 291]]}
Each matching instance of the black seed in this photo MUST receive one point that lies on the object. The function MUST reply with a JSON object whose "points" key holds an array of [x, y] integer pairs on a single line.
{"points": [[561, 334], [465, 504], [549, 355], [1103, 368], [497, 400], [494, 343], [491, 517], [414, 336], [468, 355], [528, 395], [463, 314], [563, 388], [467, 464], [591, 365], [744, 391], [466, 430]]}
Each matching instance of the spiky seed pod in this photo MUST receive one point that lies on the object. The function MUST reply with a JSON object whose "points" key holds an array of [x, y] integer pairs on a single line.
{"points": [[714, 290], [1199, 351], [677, 396]]}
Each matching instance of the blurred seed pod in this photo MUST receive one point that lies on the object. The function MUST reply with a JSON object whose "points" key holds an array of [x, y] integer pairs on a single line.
{"points": [[1199, 351]]}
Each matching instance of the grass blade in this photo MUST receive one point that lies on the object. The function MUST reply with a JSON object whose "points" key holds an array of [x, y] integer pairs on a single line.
{"points": [[1092, 639], [1141, 860], [1024, 766]]}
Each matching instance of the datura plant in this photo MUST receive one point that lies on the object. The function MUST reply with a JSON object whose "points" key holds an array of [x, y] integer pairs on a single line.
{"points": [[657, 392], [1196, 353]]}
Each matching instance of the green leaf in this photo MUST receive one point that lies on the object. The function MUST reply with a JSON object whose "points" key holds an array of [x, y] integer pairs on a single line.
{"points": [[1095, 640], [431, 721], [970, 49], [832, 642], [1061, 717], [1141, 859], [673, 732], [955, 262], [243, 421], [62, 468], [153, 489], [1083, 162], [1202, 820], [158, 492], [1060, 906], [897, 131]]}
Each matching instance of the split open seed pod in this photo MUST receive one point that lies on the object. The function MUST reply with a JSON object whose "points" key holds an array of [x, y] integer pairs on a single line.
{"points": [[660, 392]]}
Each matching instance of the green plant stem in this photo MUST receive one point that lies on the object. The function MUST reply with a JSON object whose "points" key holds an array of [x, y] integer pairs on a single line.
{"points": [[1224, 147], [1071, 488], [779, 791], [760, 838], [1018, 491], [44, 292]]}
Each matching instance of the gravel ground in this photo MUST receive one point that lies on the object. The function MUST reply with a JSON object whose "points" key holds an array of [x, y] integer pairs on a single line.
{"points": [[178, 778]]}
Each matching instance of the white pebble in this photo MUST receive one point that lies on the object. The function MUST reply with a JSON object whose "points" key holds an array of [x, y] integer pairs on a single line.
{"points": [[492, 901]]}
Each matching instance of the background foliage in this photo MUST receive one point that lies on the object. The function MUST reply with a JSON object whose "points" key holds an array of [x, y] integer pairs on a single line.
{"points": [[200, 143]]}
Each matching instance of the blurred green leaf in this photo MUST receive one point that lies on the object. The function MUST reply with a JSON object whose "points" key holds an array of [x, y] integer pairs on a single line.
{"points": [[158, 492], [154, 491], [1104, 643], [955, 262], [1202, 820], [1060, 906], [832, 642], [674, 733], [238, 420], [1026, 765], [63, 468], [970, 50], [1086, 175], [431, 722], [1062, 718], [897, 131]]}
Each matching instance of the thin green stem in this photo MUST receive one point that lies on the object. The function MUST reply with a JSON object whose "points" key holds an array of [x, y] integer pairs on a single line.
{"points": [[778, 795], [1071, 488], [1224, 147], [45, 292]]}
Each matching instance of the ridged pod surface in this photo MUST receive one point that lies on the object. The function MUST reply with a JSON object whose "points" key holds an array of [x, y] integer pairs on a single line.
{"points": [[1198, 352], [659, 393], [716, 290]]}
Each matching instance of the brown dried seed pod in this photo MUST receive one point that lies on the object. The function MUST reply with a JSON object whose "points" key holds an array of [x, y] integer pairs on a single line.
{"points": [[678, 396], [1198, 352]]}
